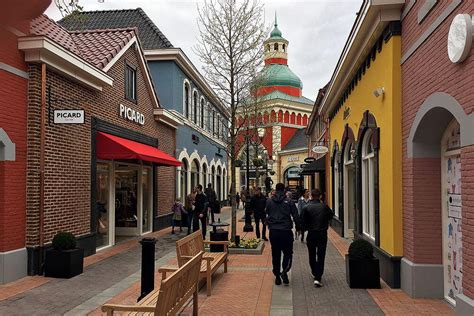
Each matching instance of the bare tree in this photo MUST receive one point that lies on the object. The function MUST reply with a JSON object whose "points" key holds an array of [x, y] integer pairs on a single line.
{"points": [[231, 49], [68, 7]]}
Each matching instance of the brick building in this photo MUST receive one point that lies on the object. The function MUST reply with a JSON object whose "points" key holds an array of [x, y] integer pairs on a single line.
{"points": [[13, 125], [102, 178], [438, 152]]}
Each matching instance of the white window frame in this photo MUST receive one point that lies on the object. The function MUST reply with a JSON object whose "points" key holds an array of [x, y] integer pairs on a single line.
{"points": [[202, 107], [194, 106], [368, 187], [186, 111]]}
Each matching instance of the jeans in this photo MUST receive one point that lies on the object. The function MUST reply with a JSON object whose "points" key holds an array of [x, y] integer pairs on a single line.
{"points": [[281, 241], [189, 220], [203, 221], [317, 242], [257, 227]]}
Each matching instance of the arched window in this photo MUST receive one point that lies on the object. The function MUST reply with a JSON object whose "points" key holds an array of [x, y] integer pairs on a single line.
{"points": [[305, 120], [293, 118], [209, 118], [268, 47], [298, 119], [287, 117], [213, 123], [202, 113], [205, 180], [368, 186], [213, 177], [275, 47], [194, 173], [218, 129], [284, 47], [184, 180], [186, 113], [219, 183], [195, 107], [280, 116], [337, 182]]}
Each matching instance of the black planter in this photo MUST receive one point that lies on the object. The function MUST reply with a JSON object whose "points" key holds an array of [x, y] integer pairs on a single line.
{"points": [[363, 273], [63, 263]]}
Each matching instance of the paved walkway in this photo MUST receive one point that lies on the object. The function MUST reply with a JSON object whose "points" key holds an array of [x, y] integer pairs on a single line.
{"points": [[248, 288]]}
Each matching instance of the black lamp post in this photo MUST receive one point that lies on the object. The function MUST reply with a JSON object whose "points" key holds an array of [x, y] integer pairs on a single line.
{"points": [[248, 219]]}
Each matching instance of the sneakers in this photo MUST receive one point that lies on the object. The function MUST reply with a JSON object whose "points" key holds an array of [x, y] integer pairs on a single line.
{"points": [[284, 277], [318, 283], [277, 280]]}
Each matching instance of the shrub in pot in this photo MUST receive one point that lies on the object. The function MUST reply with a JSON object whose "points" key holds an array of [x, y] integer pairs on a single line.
{"points": [[362, 268], [65, 260]]}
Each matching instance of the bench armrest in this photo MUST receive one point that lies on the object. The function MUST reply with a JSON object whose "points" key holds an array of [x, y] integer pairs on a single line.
{"points": [[164, 270], [111, 308], [208, 258]]}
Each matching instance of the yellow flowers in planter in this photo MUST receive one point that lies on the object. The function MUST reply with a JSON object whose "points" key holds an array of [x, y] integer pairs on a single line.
{"points": [[247, 243]]}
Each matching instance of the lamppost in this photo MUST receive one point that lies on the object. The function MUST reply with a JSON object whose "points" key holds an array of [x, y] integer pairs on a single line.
{"points": [[248, 220]]}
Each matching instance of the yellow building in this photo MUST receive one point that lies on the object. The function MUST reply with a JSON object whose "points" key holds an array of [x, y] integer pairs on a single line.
{"points": [[363, 105]]}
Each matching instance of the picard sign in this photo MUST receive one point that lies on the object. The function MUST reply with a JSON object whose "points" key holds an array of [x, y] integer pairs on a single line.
{"points": [[131, 115], [69, 116]]}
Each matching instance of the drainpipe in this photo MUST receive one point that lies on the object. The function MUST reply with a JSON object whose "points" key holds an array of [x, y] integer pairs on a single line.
{"points": [[42, 145]]}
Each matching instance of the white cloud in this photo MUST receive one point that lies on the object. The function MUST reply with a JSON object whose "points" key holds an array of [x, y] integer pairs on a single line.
{"points": [[316, 29]]}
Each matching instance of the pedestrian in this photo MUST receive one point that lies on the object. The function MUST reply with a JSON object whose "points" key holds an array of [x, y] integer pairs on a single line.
{"points": [[200, 211], [189, 207], [243, 196], [302, 202], [316, 217], [281, 213], [237, 200], [258, 203], [178, 213], [212, 200]]}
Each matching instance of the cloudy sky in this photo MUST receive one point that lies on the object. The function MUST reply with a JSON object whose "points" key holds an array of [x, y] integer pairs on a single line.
{"points": [[316, 30]]}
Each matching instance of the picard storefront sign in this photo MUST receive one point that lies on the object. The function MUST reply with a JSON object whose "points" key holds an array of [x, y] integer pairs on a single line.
{"points": [[68, 116], [131, 115]]}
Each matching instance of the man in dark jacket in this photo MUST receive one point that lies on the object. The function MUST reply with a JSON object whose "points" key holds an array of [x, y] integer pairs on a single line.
{"points": [[281, 213], [257, 206], [200, 211], [316, 217]]}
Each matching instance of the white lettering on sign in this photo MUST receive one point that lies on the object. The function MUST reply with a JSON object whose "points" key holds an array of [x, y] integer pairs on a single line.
{"points": [[292, 159], [69, 116], [131, 115]]}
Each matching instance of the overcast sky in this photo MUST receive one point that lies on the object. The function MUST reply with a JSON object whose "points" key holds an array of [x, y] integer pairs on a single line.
{"points": [[316, 30]]}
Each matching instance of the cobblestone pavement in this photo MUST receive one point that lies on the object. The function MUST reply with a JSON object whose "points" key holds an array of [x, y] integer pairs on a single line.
{"points": [[335, 298]]}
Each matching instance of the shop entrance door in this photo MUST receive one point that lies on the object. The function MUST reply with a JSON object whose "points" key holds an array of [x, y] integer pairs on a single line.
{"points": [[126, 201], [452, 213]]}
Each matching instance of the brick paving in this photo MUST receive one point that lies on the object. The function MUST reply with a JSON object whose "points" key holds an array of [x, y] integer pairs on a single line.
{"points": [[247, 289]]}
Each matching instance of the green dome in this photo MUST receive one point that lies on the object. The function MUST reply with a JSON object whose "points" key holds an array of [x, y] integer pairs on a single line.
{"points": [[280, 75], [275, 33]]}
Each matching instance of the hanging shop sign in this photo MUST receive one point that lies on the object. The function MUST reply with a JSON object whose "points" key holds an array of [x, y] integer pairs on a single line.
{"points": [[318, 149], [309, 160], [131, 115], [454, 205], [69, 116]]}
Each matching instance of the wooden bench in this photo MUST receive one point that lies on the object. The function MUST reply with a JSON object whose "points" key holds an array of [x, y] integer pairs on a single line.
{"points": [[173, 293], [191, 245]]}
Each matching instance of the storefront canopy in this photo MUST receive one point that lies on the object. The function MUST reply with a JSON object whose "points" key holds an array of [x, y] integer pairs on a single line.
{"points": [[112, 147], [316, 166]]}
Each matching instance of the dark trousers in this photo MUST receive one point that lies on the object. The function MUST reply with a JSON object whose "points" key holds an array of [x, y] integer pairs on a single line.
{"points": [[302, 235], [203, 221], [257, 227], [281, 241], [317, 242], [189, 220]]}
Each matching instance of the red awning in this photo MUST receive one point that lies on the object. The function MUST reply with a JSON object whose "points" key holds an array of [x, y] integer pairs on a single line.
{"points": [[112, 147]]}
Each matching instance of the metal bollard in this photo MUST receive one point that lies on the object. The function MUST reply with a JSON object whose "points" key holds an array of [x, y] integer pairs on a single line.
{"points": [[148, 266]]}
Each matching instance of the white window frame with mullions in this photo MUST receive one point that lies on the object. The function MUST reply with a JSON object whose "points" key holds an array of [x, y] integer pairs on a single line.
{"points": [[368, 186]]}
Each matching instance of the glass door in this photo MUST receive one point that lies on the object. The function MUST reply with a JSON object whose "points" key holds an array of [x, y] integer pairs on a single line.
{"points": [[103, 207], [147, 204], [126, 201]]}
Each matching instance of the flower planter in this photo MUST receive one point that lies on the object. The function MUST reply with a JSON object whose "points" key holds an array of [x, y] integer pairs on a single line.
{"points": [[363, 273], [64, 263]]}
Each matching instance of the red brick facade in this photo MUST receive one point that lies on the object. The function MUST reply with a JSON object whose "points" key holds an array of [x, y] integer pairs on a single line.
{"points": [[13, 102], [427, 71], [67, 202]]}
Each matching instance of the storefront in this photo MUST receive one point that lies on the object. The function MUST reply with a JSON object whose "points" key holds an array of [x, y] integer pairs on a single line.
{"points": [[364, 127], [438, 137], [102, 144]]}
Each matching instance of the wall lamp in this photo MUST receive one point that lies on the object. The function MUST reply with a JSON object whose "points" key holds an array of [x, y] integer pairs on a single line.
{"points": [[379, 92]]}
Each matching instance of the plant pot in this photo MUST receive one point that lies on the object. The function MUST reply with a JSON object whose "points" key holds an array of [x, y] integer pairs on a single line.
{"points": [[363, 273], [64, 263]]}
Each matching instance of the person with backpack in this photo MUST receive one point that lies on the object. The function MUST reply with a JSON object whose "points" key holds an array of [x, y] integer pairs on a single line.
{"points": [[281, 214], [258, 203]]}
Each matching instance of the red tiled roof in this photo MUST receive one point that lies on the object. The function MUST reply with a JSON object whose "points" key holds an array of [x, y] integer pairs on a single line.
{"points": [[43, 25], [98, 47]]}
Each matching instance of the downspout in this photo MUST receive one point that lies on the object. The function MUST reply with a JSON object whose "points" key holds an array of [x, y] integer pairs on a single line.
{"points": [[42, 145]]}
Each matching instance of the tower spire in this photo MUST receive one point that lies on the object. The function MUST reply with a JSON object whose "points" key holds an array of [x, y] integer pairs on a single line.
{"points": [[276, 23]]}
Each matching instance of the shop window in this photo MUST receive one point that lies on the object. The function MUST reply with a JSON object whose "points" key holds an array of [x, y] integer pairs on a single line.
{"points": [[368, 186], [184, 180], [195, 174], [205, 180], [103, 205], [130, 83], [186, 100]]}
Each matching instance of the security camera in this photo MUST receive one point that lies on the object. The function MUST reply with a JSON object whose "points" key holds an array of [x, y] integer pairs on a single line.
{"points": [[378, 92]]}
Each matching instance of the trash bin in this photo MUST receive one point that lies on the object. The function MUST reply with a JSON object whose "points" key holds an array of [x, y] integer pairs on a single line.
{"points": [[219, 235]]}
